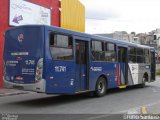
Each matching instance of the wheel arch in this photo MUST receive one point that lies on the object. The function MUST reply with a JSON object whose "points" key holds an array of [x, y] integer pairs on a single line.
{"points": [[104, 76], [146, 76], [99, 92]]}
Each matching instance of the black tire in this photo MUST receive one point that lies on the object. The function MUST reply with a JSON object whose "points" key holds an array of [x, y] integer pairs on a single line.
{"points": [[143, 84], [101, 87]]}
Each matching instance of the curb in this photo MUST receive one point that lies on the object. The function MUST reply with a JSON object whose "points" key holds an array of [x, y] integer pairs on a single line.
{"points": [[12, 93]]}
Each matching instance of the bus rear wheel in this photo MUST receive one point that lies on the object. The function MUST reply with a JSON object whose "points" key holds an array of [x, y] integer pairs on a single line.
{"points": [[143, 84], [101, 87]]}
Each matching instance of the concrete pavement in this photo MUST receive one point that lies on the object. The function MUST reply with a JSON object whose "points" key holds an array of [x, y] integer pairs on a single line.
{"points": [[153, 108], [9, 92]]}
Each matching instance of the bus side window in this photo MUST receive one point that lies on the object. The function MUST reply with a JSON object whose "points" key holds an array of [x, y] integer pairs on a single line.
{"points": [[51, 41], [97, 50], [132, 54], [146, 56], [140, 55], [110, 52], [61, 47]]}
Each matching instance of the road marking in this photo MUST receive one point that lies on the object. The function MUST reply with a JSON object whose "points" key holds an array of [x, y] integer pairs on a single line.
{"points": [[137, 108], [144, 110]]}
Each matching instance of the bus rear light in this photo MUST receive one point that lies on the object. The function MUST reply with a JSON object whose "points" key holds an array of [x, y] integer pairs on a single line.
{"points": [[39, 70], [19, 78], [19, 58]]}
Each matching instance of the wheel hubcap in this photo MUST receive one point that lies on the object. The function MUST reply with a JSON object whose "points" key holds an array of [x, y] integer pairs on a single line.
{"points": [[101, 87]]}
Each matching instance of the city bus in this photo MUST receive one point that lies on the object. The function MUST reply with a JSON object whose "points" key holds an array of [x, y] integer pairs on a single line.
{"points": [[54, 60]]}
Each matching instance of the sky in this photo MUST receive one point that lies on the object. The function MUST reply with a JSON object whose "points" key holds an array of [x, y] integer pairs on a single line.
{"points": [[107, 16]]}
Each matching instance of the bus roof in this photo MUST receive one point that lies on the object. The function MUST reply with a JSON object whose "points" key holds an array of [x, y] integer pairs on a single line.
{"points": [[86, 35]]}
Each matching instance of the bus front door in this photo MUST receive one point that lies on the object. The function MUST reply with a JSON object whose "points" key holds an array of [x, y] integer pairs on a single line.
{"points": [[153, 65], [81, 65], [122, 66]]}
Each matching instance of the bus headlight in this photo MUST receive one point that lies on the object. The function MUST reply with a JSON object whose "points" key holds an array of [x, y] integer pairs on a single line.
{"points": [[39, 70]]}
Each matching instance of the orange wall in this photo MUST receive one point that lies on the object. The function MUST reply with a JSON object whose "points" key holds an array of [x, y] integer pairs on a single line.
{"points": [[73, 15]]}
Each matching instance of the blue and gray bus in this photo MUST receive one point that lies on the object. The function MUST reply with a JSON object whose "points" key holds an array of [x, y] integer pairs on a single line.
{"points": [[53, 60]]}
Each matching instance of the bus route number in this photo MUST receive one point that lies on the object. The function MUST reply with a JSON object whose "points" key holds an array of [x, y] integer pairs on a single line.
{"points": [[60, 68]]}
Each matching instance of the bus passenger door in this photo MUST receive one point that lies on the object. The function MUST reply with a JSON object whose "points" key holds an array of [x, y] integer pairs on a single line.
{"points": [[81, 64], [122, 66], [153, 66]]}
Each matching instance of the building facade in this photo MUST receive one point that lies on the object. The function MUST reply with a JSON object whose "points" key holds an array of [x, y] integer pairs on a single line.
{"points": [[120, 35]]}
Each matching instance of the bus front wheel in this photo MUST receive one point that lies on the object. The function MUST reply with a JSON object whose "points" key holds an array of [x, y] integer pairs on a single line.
{"points": [[101, 87]]}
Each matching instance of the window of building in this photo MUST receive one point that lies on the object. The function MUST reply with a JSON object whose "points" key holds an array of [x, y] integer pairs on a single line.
{"points": [[61, 47]]}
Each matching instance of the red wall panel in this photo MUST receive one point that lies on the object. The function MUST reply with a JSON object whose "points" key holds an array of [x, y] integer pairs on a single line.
{"points": [[4, 20], [54, 5]]}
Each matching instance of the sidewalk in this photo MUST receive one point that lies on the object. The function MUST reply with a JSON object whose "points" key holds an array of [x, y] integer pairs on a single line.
{"points": [[9, 92]]}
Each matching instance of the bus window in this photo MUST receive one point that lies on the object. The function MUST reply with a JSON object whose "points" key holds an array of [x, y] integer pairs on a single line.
{"points": [[110, 52], [97, 50], [140, 59], [122, 54], [139, 51], [132, 50], [146, 56], [132, 54], [140, 55], [61, 47], [132, 59]]}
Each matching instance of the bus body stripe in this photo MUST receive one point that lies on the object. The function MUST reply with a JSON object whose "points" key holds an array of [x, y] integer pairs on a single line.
{"points": [[117, 73]]}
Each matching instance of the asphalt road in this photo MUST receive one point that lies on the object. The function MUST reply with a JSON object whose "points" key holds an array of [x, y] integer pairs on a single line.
{"points": [[115, 101]]}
